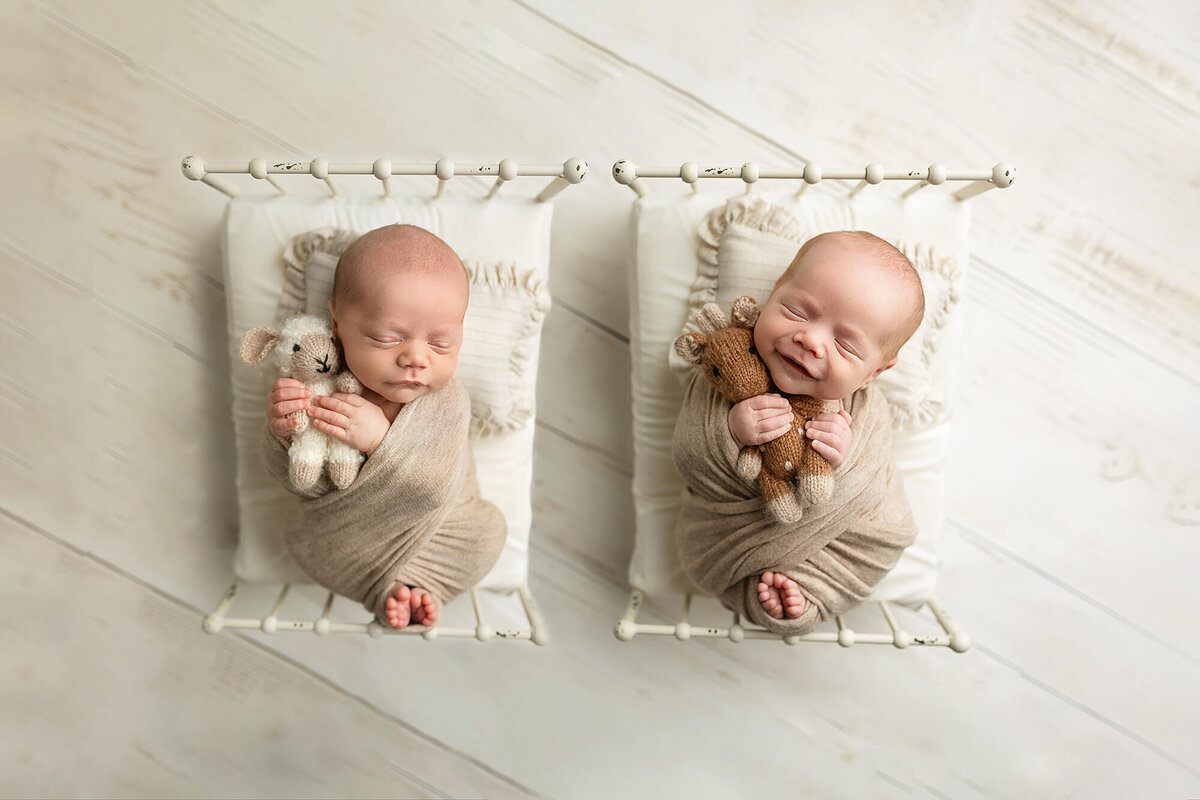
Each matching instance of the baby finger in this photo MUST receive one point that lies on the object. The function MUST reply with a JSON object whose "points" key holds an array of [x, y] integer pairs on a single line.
{"points": [[289, 394], [328, 417], [823, 436], [769, 401], [332, 430], [290, 407], [775, 417], [773, 433], [333, 403], [824, 450], [348, 399]]}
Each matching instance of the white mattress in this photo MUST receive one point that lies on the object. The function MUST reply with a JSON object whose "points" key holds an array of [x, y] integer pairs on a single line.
{"points": [[257, 230], [664, 269]]}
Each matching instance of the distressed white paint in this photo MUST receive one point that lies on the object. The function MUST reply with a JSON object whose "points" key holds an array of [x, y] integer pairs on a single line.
{"points": [[1073, 513]]}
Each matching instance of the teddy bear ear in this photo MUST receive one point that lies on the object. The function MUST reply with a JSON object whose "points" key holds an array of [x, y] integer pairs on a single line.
{"points": [[745, 311], [690, 346], [256, 344], [709, 319]]}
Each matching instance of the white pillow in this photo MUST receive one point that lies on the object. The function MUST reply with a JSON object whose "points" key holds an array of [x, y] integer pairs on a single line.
{"points": [[670, 277], [508, 305]]}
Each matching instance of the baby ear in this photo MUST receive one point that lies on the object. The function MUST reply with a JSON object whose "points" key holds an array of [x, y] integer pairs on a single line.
{"points": [[690, 346], [879, 372], [256, 344], [745, 311]]}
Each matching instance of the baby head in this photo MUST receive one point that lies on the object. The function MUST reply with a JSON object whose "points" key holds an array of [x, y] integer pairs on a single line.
{"points": [[838, 315], [399, 298]]}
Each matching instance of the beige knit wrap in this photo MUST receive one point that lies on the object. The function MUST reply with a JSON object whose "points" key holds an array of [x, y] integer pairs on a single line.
{"points": [[837, 552], [413, 515]]}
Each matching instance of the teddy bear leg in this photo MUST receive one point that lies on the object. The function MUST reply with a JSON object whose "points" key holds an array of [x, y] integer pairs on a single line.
{"points": [[816, 477], [749, 463], [306, 456], [344, 462], [782, 503]]}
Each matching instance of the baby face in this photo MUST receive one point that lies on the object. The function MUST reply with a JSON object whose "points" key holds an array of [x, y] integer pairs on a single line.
{"points": [[825, 330], [401, 336]]}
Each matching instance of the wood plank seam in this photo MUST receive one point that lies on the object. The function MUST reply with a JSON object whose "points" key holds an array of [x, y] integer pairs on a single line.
{"points": [[261, 646]]}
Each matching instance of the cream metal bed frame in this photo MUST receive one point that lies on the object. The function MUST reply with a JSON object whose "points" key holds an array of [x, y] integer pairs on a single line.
{"points": [[627, 173], [570, 172]]}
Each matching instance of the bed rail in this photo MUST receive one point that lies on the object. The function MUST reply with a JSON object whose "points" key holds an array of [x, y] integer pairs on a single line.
{"points": [[270, 622], [682, 629], [568, 173], [1001, 176]]}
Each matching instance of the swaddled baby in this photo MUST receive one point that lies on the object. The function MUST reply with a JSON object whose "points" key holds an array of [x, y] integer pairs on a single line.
{"points": [[834, 322], [411, 532]]}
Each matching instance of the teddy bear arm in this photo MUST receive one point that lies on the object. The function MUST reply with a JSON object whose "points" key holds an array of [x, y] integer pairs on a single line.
{"points": [[346, 382], [813, 463], [816, 477]]}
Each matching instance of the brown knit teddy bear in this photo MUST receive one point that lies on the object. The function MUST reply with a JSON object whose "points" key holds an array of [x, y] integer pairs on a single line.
{"points": [[791, 475]]}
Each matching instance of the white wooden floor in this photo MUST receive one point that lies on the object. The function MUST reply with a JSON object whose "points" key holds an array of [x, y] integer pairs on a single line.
{"points": [[1075, 512]]}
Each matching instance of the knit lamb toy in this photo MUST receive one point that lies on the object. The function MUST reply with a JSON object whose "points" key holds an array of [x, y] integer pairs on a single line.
{"points": [[791, 475], [305, 350]]}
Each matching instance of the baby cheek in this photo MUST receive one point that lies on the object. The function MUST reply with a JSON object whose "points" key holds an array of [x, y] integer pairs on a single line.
{"points": [[445, 365]]}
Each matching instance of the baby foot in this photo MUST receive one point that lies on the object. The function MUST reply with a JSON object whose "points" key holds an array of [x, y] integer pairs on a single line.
{"points": [[398, 607], [423, 607], [780, 596]]}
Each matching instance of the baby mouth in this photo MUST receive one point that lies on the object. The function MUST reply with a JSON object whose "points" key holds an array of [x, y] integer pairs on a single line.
{"points": [[798, 367]]}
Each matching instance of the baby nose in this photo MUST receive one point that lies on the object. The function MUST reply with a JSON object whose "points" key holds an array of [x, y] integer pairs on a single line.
{"points": [[812, 343], [413, 355]]}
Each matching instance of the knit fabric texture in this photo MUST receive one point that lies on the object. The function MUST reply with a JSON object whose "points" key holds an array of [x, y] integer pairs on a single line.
{"points": [[413, 515], [790, 473], [837, 551]]}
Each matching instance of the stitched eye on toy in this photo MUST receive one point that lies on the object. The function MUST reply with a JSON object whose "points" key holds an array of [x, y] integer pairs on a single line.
{"points": [[716, 372], [295, 348]]}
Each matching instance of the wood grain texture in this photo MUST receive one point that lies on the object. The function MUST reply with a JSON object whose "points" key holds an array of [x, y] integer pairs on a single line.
{"points": [[1066, 92], [1075, 480], [166, 711]]}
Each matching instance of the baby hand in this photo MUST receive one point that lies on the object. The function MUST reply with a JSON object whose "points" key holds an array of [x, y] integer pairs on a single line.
{"points": [[831, 436], [350, 418], [287, 396], [759, 419]]}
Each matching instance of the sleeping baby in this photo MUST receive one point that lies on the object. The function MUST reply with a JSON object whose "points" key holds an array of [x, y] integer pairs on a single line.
{"points": [[834, 322], [412, 531]]}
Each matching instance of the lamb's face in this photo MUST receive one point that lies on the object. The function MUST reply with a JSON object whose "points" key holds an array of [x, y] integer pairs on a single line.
{"points": [[306, 349], [731, 363], [314, 356]]}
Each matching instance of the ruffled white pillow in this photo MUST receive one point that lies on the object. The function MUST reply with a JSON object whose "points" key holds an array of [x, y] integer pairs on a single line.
{"points": [[746, 244], [507, 307]]}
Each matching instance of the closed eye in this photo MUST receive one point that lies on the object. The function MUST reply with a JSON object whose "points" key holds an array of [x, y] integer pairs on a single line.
{"points": [[794, 313], [847, 347]]}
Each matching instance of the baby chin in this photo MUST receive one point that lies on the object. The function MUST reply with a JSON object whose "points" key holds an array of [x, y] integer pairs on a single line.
{"points": [[404, 391]]}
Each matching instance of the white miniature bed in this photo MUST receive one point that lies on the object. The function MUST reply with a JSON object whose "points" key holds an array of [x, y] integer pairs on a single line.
{"points": [[692, 248], [279, 250]]}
